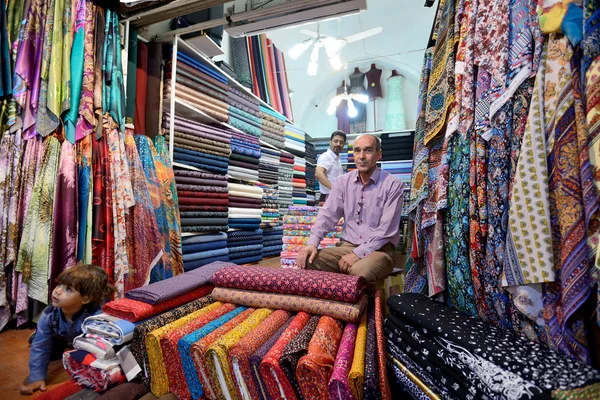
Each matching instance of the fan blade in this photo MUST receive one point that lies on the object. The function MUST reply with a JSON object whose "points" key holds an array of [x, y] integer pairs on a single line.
{"points": [[312, 34], [363, 35]]}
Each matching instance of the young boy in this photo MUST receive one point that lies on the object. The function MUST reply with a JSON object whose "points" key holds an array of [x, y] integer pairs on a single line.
{"points": [[80, 292]]}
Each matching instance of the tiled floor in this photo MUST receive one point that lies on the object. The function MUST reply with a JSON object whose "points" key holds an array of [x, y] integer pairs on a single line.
{"points": [[15, 356]]}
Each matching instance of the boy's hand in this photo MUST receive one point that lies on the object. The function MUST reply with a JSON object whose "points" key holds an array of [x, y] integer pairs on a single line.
{"points": [[33, 386]]}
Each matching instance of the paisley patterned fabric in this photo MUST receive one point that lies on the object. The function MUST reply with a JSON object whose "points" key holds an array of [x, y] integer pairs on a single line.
{"points": [[273, 377], [314, 369], [239, 355], [323, 285], [381, 353], [216, 357], [196, 390], [335, 309], [356, 376], [133, 310], [371, 384], [338, 384], [295, 350], [198, 351], [160, 381]]}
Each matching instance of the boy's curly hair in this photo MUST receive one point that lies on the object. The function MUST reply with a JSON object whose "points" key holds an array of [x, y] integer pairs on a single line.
{"points": [[89, 280]]}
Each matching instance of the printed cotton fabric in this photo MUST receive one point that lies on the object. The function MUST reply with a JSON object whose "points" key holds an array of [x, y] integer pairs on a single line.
{"points": [[338, 384], [80, 366], [343, 311], [371, 383], [323, 285], [314, 369], [133, 310], [239, 355], [356, 377], [113, 329], [381, 353]]}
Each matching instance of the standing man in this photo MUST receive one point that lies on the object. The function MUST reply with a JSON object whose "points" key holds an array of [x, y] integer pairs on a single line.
{"points": [[329, 167], [370, 200]]}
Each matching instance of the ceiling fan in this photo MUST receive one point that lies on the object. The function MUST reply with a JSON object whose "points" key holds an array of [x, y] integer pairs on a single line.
{"points": [[333, 46]]}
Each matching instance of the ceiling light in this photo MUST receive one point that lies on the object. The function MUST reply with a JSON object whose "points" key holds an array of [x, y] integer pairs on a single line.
{"points": [[352, 111], [299, 49], [312, 68], [361, 98]]}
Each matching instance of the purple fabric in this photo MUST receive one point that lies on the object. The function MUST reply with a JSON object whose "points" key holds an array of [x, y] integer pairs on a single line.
{"points": [[198, 174], [167, 289], [244, 137], [257, 357], [378, 220], [188, 180], [338, 383], [194, 128]]}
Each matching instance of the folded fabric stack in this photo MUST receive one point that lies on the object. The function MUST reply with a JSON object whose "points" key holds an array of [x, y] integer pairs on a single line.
{"points": [[311, 161], [268, 168], [284, 183], [198, 86], [297, 226], [248, 206], [437, 352], [198, 145], [244, 112], [203, 201], [394, 147], [245, 246], [350, 152], [245, 157], [299, 182], [294, 140], [270, 211], [399, 169], [203, 249], [273, 241], [273, 127]]}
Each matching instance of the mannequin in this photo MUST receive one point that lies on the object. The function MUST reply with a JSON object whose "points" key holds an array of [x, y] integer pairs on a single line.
{"points": [[374, 82], [394, 118], [395, 73], [342, 111], [358, 124]]}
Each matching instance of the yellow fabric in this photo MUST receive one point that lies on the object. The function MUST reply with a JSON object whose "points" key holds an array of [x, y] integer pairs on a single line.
{"points": [[159, 384], [221, 348], [356, 376], [295, 135], [551, 14]]}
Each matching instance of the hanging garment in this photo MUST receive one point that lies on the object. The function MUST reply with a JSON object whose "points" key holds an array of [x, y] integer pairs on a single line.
{"points": [[394, 117], [77, 60], [358, 124], [85, 198], [86, 122]]}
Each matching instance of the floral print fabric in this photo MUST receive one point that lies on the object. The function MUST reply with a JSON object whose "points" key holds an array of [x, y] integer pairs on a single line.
{"points": [[356, 376], [338, 386]]}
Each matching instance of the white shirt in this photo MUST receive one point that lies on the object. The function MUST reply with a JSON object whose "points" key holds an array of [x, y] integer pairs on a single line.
{"points": [[333, 168]]}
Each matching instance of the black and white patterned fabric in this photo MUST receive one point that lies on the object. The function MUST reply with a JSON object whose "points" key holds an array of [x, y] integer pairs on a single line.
{"points": [[410, 387]]}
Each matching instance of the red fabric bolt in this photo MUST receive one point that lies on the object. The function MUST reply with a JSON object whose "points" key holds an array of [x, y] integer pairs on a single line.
{"points": [[386, 394], [61, 391]]}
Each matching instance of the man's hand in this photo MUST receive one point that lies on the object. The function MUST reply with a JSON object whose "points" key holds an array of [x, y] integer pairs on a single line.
{"points": [[347, 261], [32, 387], [308, 252]]}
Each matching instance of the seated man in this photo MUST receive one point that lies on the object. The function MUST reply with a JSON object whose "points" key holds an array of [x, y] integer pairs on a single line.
{"points": [[370, 200]]}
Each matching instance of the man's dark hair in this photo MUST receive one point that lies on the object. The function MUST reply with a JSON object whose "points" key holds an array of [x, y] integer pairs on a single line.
{"points": [[338, 133]]}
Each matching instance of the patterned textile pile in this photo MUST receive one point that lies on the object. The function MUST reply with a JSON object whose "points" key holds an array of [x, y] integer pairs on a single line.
{"points": [[294, 140], [268, 168], [297, 225], [273, 127], [244, 112], [203, 249], [272, 241], [284, 182], [299, 195], [311, 161], [438, 352], [245, 246], [244, 158]]}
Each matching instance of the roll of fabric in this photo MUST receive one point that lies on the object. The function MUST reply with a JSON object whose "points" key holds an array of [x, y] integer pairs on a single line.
{"points": [[295, 350], [185, 344], [198, 350], [339, 388], [274, 378], [216, 357], [160, 380], [356, 377], [199, 181], [318, 284], [239, 356], [339, 310], [96, 345], [179, 285], [384, 386], [61, 391], [134, 311], [371, 383], [314, 369], [170, 350], [114, 330], [138, 344]]}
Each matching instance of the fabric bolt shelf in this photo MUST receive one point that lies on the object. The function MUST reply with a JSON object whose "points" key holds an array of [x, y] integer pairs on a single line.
{"points": [[336, 309], [216, 357], [185, 344], [239, 355]]}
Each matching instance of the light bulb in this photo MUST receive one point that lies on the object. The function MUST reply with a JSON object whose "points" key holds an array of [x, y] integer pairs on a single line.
{"points": [[361, 98], [312, 68], [298, 49], [352, 111], [335, 62], [331, 109], [336, 100], [314, 55]]}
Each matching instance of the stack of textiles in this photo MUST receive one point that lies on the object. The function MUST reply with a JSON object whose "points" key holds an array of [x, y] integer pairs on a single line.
{"points": [[396, 148], [268, 168], [94, 363], [273, 241], [244, 112], [350, 152], [284, 183], [311, 161], [270, 211], [198, 86], [245, 246], [399, 169], [245, 206], [299, 182], [268, 71], [273, 127], [297, 226], [438, 352], [294, 140], [200, 250], [245, 157], [203, 201], [198, 145]]}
